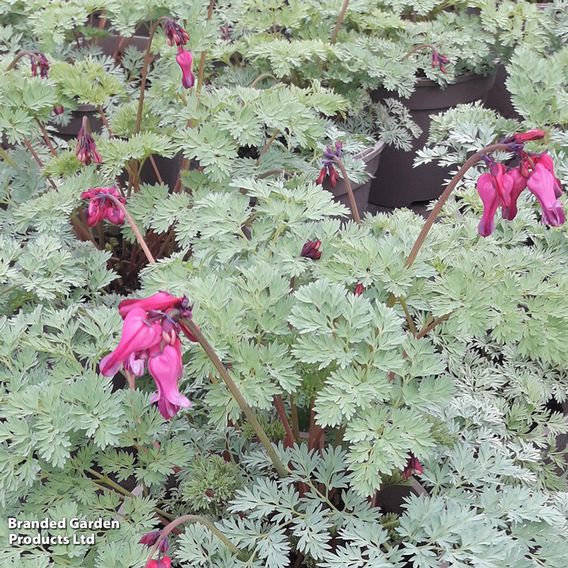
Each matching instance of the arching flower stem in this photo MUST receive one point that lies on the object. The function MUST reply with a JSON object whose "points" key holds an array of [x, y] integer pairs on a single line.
{"points": [[280, 468], [134, 228]]}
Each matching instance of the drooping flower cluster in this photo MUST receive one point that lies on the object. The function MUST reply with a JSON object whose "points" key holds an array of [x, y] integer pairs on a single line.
{"points": [[439, 61], [86, 149], [150, 337], [413, 467], [102, 206], [328, 168], [502, 185], [311, 249], [39, 65], [176, 35]]}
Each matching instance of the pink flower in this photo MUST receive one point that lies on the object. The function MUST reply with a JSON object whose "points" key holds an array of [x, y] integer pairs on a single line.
{"points": [[495, 191], [175, 34], [413, 467], [522, 137], [311, 249], [519, 183], [138, 334], [440, 61], [359, 289], [150, 336], [185, 61], [328, 169], [101, 206], [150, 539], [542, 184], [158, 301], [166, 368], [58, 109], [164, 562], [39, 65], [546, 160], [136, 363], [86, 149]]}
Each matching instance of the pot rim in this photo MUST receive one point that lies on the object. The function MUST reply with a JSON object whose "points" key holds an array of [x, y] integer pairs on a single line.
{"points": [[463, 78], [371, 152]]}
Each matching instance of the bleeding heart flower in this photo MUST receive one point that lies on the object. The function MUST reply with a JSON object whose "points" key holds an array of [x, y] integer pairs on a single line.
{"points": [[185, 61], [541, 184], [138, 334], [439, 61], [150, 539], [359, 289], [495, 190], [413, 467], [166, 367], [522, 137], [328, 169], [102, 206], [311, 249], [39, 65], [175, 34], [150, 336], [86, 149]]}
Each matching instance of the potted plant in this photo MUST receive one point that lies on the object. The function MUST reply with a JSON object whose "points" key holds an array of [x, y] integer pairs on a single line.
{"points": [[405, 372], [230, 372]]}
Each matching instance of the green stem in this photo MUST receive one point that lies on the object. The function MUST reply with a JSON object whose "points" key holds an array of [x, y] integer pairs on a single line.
{"points": [[260, 78], [193, 519], [409, 319], [418, 47], [203, 57], [122, 493], [267, 145], [46, 138], [237, 395], [6, 157], [19, 56]]}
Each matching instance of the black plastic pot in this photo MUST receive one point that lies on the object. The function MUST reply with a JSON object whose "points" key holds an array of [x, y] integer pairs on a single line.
{"points": [[499, 98], [168, 168], [71, 129], [114, 45], [371, 156], [397, 182]]}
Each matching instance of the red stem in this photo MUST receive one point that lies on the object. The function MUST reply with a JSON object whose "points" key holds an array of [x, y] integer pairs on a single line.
{"points": [[279, 405], [350, 194], [134, 228], [145, 65]]}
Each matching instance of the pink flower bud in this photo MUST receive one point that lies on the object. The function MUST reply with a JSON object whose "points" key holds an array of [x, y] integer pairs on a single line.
{"points": [[311, 249], [413, 467], [529, 135], [359, 289]]}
